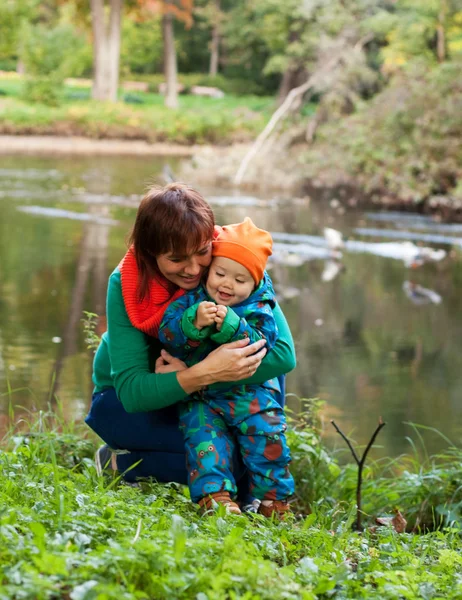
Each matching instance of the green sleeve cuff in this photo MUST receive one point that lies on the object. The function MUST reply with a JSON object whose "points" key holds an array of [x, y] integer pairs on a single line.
{"points": [[228, 329], [188, 327]]}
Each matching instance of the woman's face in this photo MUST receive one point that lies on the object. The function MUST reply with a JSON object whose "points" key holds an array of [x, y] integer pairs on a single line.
{"points": [[185, 271]]}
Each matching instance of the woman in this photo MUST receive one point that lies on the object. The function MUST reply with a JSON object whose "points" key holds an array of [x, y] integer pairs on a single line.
{"points": [[133, 407]]}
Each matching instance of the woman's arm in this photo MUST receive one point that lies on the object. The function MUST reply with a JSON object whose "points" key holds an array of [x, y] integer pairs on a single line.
{"points": [[137, 387], [280, 360]]}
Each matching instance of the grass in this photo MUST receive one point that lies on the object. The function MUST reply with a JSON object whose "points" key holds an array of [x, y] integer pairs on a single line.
{"points": [[67, 533], [138, 116]]}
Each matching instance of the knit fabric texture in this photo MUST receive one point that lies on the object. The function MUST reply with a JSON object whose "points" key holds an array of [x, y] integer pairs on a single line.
{"points": [[145, 315], [246, 244]]}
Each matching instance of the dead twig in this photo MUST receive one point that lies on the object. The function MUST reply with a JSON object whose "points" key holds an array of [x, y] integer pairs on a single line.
{"points": [[360, 462]]}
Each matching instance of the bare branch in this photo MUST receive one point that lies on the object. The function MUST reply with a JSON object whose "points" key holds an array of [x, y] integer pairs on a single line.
{"points": [[355, 456], [372, 440], [360, 463], [281, 112]]}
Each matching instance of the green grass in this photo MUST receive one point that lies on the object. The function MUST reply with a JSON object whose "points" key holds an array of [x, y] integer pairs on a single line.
{"points": [[141, 116], [66, 533]]}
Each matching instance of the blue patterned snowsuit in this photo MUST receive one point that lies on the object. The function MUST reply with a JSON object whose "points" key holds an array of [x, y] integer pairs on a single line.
{"points": [[214, 420]]}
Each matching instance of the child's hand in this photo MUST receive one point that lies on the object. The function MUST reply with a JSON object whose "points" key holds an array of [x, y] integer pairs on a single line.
{"points": [[205, 314], [220, 315]]}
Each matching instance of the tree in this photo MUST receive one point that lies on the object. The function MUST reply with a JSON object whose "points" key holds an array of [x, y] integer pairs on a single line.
{"points": [[212, 15], [215, 42], [170, 9], [182, 10], [170, 62], [106, 48], [414, 30], [142, 45]]}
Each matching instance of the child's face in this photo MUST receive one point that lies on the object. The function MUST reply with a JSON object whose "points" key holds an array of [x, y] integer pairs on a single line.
{"points": [[228, 282]]}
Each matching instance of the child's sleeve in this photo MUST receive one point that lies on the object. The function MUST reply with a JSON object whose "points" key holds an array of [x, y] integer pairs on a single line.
{"points": [[257, 323], [189, 329], [177, 328]]}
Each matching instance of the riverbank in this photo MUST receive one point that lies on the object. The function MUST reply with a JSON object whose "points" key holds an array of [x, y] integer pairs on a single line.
{"points": [[401, 150], [281, 173], [137, 117], [51, 145]]}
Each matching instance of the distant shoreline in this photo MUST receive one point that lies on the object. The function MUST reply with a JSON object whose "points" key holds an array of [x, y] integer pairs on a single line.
{"points": [[50, 145], [217, 165]]}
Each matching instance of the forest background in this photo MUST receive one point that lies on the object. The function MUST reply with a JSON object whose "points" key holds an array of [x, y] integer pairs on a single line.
{"points": [[376, 86]]}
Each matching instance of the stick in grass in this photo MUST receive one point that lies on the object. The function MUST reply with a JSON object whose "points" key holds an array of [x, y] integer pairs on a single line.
{"points": [[360, 462]]}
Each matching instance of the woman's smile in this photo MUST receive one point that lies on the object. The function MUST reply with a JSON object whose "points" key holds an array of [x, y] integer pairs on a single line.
{"points": [[185, 271]]}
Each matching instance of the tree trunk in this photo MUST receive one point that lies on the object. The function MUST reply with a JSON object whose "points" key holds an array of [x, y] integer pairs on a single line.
{"points": [[291, 79], [441, 34], [106, 49], [294, 75], [170, 71], [115, 24], [215, 43]]}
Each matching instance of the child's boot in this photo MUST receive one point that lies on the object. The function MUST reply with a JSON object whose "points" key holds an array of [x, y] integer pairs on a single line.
{"points": [[280, 508], [206, 503]]}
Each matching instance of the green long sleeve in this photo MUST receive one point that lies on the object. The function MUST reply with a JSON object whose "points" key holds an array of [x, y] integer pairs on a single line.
{"points": [[125, 358]]}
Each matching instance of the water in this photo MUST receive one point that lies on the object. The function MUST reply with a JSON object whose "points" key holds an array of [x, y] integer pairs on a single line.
{"points": [[369, 342]]}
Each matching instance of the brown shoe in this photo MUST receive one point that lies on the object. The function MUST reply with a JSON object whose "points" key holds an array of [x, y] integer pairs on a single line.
{"points": [[280, 508], [206, 503]]}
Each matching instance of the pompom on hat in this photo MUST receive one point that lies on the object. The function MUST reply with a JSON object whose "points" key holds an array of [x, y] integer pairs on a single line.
{"points": [[246, 244]]}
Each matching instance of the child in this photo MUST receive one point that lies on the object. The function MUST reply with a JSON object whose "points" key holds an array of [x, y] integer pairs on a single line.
{"points": [[236, 302]]}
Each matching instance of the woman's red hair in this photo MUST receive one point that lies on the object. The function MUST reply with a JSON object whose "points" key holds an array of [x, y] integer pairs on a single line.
{"points": [[172, 219]]}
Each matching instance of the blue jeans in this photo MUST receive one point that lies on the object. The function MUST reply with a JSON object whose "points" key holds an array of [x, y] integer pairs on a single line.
{"points": [[150, 437]]}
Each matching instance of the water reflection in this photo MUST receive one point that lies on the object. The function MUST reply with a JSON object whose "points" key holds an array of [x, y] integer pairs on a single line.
{"points": [[46, 211], [363, 344], [90, 272]]}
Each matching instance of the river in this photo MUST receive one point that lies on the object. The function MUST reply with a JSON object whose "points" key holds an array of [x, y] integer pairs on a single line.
{"points": [[370, 342]]}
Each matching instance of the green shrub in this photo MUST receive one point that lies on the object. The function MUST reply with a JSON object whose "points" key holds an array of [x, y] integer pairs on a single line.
{"points": [[44, 90], [48, 55], [313, 467], [8, 64], [406, 141]]}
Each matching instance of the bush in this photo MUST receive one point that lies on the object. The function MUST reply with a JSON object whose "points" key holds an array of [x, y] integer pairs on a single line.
{"points": [[48, 56], [8, 64], [313, 467], [44, 90], [405, 142]]}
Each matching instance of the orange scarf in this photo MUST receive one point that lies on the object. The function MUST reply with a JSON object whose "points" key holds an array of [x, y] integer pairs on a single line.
{"points": [[147, 314]]}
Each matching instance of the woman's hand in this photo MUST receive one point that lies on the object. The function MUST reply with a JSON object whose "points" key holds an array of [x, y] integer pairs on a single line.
{"points": [[234, 361], [166, 363], [230, 362]]}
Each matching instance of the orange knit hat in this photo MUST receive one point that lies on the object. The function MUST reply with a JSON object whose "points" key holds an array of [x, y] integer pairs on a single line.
{"points": [[246, 244]]}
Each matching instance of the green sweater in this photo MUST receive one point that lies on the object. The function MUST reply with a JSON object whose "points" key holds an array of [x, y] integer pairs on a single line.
{"points": [[126, 356]]}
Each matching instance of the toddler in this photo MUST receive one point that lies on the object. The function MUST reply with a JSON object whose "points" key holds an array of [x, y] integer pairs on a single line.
{"points": [[236, 302]]}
